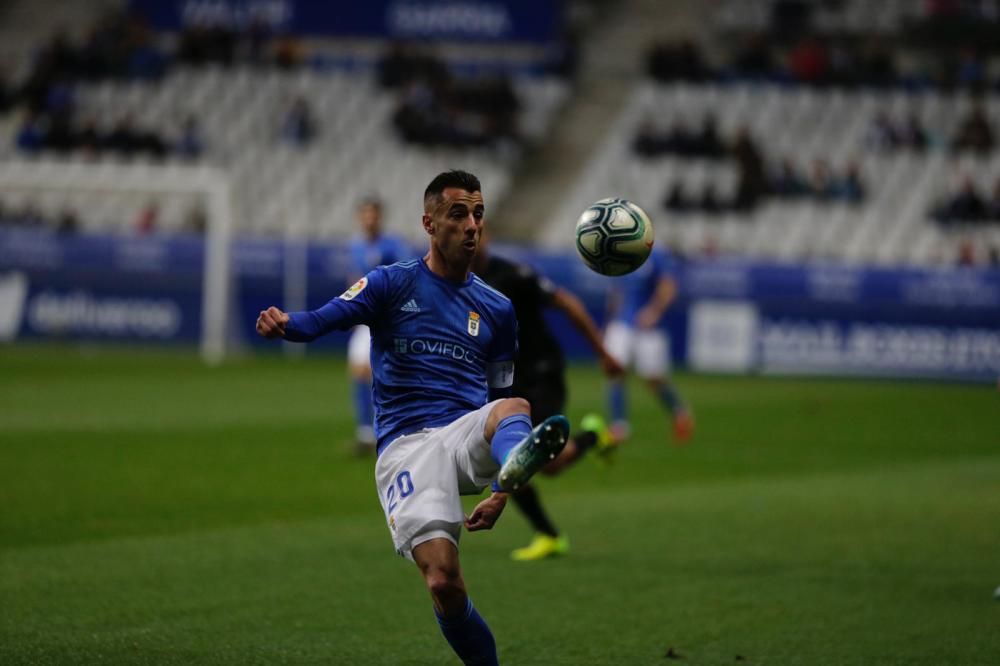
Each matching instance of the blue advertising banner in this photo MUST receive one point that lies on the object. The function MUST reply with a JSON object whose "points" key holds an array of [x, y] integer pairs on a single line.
{"points": [[730, 316], [526, 21]]}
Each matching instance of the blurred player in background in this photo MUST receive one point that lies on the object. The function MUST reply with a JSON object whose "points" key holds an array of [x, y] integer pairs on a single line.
{"points": [[540, 379], [443, 363], [371, 248], [634, 336]]}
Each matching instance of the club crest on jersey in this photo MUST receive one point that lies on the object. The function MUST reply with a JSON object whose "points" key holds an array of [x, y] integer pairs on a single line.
{"points": [[355, 289], [473, 324]]}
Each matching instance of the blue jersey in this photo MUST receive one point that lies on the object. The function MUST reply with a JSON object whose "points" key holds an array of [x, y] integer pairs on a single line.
{"points": [[438, 346], [638, 286], [367, 254]]}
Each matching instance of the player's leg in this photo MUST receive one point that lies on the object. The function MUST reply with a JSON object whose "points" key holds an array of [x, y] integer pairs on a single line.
{"points": [[462, 626], [547, 398], [359, 366], [418, 484], [618, 339], [546, 394], [653, 364], [516, 447]]}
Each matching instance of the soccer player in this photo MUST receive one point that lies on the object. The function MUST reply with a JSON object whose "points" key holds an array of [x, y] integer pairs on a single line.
{"points": [[540, 379], [634, 337], [371, 248], [443, 348]]}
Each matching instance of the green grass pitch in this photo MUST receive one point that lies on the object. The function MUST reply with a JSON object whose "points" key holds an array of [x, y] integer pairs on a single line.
{"points": [[156, 511]]}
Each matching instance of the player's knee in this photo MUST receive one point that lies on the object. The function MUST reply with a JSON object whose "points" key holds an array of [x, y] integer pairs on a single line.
{"points": [[511, 406], [446, 587]]}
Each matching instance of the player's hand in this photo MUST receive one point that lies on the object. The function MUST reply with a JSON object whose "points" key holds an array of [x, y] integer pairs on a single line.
{"points": [[486, 513], [610, 367], [647, 318], [271, 323]]}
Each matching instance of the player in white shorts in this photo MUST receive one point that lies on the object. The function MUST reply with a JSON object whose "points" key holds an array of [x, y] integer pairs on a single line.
{"points": [[443, 347], [635, 338], [371, 248]]}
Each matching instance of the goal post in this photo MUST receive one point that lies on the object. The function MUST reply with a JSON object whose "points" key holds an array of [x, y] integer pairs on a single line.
{"points": [[150, 179]]}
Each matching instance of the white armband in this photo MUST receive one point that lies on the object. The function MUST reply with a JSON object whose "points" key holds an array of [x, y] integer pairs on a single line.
{"points": [[500, 374]]}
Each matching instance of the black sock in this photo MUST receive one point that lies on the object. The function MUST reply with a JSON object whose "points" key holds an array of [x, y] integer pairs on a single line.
{"points": [[530, 504], [585, 440]]}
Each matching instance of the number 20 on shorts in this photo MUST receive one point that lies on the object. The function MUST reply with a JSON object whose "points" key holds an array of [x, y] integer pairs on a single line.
{"points": [[405, 486]]}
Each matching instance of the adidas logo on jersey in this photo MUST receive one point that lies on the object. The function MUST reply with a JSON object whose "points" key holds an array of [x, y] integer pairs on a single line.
{"points": [[411, 306]]}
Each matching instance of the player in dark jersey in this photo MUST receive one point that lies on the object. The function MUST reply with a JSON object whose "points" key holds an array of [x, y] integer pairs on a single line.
{"points": [[539, 377]]}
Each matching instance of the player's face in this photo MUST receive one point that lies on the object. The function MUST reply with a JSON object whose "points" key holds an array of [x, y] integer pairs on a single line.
{"points": [[456, 224], [370, 219]]}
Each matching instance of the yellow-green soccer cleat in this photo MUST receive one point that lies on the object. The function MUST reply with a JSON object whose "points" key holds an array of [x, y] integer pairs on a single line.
{"points": [[541, 546], [607, 443], [540, 446]]}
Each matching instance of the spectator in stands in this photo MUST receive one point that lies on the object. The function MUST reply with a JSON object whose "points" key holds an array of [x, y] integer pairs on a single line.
{"points": [[88, 139], [993, 211], [707, 142], [754, 58], [123, 138], [875, 65], [974, 132], [68, 222], [970, 71], [676, 200], [821, 184], [808, 61], [967, 205], [648, 142], [966, 253], [288, 51], [299, 125], [6, 91], [850, 187], [912, 134], [752, 179], [677, 62], [196, 219], [189, 144], [31, 136], [882, 133], [146, 220], [787, 182]]}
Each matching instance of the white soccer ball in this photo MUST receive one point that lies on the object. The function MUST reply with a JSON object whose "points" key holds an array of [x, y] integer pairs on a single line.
{"points": [[614, 236]]}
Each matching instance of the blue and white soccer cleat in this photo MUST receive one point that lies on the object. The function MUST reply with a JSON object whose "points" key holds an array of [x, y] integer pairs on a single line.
{"points": [[540, 446]]}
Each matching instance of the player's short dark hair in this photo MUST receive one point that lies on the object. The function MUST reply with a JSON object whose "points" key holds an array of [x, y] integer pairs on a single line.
{"points": [[370, 200], [454, 178]]}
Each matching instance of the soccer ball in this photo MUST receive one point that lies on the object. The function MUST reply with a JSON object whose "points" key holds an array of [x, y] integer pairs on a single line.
{"points": [[614, 236]]}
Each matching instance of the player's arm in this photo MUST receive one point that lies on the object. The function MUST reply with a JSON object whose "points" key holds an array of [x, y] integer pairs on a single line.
{"points": [[357, 305], [487, 512], [663, 296], [571, 306]]}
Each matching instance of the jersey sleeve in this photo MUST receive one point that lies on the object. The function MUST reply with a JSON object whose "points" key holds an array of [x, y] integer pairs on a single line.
{"points": [[500, 364], [360, 304]]}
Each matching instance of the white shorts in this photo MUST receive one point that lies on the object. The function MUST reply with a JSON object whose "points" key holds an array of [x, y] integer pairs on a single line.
{"points": [[359, 346], [420, 479], [647, 349]]}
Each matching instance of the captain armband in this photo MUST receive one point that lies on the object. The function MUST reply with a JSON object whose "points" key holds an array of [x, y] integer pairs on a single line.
{"points": [[500, 374]]}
